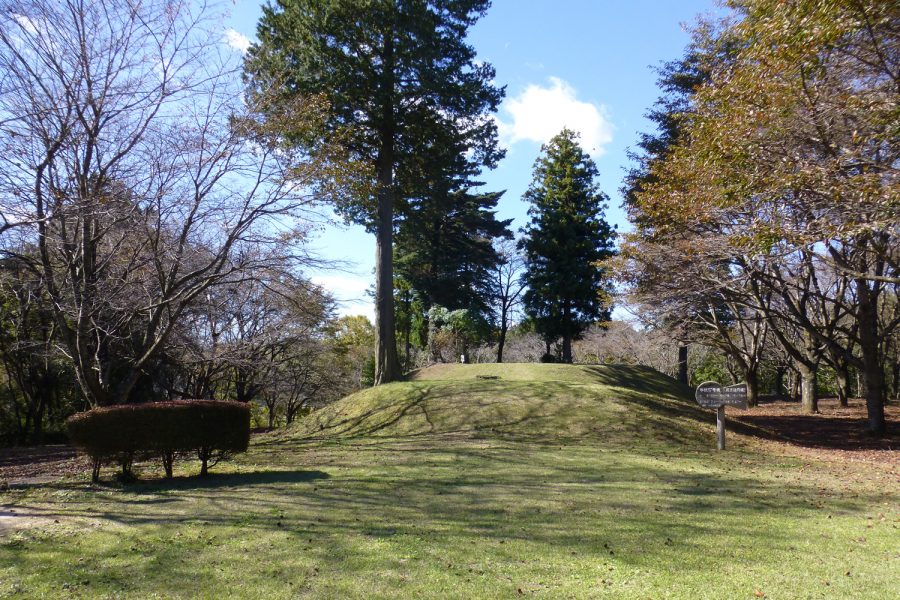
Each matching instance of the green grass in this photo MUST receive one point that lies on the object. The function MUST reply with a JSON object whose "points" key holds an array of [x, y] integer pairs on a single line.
{"points": [[552, 481]]}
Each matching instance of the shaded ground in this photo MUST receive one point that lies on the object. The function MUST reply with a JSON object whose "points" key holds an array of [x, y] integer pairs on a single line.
{"points": [[38, 462], [835, 432]]}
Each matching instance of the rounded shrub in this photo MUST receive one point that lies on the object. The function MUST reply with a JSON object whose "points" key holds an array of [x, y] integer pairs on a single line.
{"points": [[128, 432]]}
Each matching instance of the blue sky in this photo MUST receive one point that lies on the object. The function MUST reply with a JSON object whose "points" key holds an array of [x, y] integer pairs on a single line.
{"points": [[584, 64]]}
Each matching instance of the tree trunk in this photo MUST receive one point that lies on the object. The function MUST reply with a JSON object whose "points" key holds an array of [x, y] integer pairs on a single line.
{"points": [[501, 341], [24, 430], [838, 362], [842, 382], [387, 364], [779, 382], [795, 386], [870, 348], [168, 459], [683, 364], [408, 345], [896, 373], [204, 462], [752, 379], [567, 349], [37, 436], [808, 398], [874, 377], [127, 475]]}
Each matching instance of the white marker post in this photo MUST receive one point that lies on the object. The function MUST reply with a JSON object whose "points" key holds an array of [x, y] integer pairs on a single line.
{"points": [[720, 427], [711, 394]]}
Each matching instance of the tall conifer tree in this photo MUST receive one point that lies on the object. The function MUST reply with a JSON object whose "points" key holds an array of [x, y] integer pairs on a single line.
{"points": [[565, 241], [445, 249], [397, 75]]}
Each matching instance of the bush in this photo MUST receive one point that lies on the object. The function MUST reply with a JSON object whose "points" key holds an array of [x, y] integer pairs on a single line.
{"points": [[124, 433]]}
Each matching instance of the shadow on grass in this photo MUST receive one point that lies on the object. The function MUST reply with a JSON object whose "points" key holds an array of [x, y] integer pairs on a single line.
{"points": [[817, 431], [439, 500], [640, 379], [226, 480], [477, 498], [187, 482]]}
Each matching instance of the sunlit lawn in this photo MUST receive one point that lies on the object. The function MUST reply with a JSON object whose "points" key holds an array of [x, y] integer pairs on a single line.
{"points": [[420, 506]]}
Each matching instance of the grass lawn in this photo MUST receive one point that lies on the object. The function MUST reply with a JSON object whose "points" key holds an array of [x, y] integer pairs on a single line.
{"points": [[476, 481]]}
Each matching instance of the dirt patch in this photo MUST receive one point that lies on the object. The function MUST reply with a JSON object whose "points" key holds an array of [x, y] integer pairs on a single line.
{"points": [[835, 432], [35, 463], [11, 520]]}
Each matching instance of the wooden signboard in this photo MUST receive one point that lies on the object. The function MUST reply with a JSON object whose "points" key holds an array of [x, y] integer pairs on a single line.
{"points": [[715, 395]]}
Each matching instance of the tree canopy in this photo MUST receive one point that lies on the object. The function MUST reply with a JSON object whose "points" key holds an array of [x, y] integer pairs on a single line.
{"points": [[403, 87], [565, 242], [779, 195]]}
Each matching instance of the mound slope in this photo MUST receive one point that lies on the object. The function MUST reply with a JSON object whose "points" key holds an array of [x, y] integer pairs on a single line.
{"points": [[540, 402]]}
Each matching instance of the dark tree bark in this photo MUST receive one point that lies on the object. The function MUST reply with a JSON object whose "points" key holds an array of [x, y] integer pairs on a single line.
{"points": [[896, 376], [795, 386], [270, 408], [842, 382], [778, 387], [870, 348], [683, 364], [808, 398], [751, 377], [567, 349], [387, 363], [501, 340]]}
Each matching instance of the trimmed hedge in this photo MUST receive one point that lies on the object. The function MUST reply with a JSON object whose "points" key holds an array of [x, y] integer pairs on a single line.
{"points": [[128, 432]]}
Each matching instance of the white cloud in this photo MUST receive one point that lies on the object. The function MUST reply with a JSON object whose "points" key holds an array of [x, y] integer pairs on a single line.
{"points": [[350, 292], [237, 40], [539, 113]]}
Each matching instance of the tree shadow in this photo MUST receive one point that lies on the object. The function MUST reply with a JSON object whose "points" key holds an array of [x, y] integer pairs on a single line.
{"points": [[453, 494], [816, 431], [639, 379], [184, 482], [226, 480]]}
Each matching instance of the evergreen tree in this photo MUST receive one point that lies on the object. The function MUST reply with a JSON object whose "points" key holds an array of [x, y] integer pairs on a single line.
{"points": [[678, 81], [445, 251], [565, 241], [399, 79]]}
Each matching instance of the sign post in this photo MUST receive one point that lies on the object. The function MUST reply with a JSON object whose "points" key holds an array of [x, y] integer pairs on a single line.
{"points": [[720, 427], [715, 395]]}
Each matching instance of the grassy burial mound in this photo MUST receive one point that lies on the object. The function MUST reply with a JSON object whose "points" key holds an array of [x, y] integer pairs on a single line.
{"points": [[475, 481], [523, 402]]}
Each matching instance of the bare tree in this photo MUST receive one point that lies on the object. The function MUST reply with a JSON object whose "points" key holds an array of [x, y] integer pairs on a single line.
{"points": [[125, 154], [623, 343], [508, 288]]}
